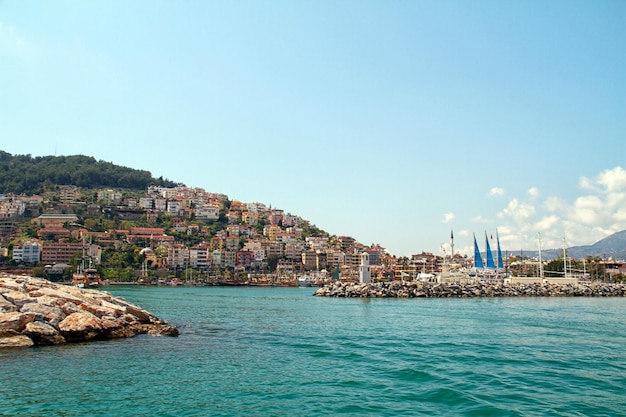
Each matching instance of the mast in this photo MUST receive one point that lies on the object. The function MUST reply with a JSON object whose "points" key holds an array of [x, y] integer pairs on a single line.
{"points": [[500, 262], [564, 260], [540, 261]]}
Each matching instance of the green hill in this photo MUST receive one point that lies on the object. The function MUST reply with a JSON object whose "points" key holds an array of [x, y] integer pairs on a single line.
{"points": [[33, 175]]}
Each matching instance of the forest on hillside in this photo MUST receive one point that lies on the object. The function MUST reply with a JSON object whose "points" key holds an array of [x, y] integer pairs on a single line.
{"points": [[24, 174]]}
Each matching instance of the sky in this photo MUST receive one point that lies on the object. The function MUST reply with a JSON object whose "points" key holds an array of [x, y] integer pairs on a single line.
{"points": [[394, 122]]}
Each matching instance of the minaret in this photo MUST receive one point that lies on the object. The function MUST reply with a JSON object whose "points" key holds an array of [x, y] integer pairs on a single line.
{"points": [[365, 275], [452, 243]]}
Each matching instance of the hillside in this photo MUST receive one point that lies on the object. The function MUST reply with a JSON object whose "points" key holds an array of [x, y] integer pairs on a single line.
{"points": [[611, 246], [24, 174]]}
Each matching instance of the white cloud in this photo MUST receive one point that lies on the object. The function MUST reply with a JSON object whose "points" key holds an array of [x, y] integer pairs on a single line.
{"points": [[546, 223], [518, 211], [585, 183], [620, 215], [554, 204], [448, 217], [613, 180], [496, 192], [588, 210], [533, 192]]}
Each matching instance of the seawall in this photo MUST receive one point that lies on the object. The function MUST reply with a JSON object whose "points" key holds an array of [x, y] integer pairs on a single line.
{"points": [[419, 289]]}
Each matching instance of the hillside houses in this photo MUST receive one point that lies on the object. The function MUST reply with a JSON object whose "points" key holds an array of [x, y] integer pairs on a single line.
{"points": [[178, 228]]}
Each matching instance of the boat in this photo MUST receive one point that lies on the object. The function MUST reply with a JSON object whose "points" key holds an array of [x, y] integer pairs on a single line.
{"points": [[490, 271], [305, 281], [86, 277]]}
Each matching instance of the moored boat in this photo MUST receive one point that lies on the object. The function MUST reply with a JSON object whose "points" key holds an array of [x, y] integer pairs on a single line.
{"points": [[304, 281], [86, 278]]}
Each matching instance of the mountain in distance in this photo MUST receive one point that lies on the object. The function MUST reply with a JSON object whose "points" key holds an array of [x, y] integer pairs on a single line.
{"points": [[613, 246]]}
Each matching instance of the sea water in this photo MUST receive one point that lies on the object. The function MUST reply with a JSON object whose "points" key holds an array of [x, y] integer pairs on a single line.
{"points": [[284, 352]]}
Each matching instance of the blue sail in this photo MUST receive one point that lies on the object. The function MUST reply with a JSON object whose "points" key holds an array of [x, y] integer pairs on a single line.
{"points": [[478, 260], [490, 263], [500, 263]]}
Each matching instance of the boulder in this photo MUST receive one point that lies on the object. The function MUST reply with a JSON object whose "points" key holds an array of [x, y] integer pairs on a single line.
{"points": [[80, 326], [16, 341], [51, 315], [19, 298], [6, 306], [43, 334], [15, 321]]}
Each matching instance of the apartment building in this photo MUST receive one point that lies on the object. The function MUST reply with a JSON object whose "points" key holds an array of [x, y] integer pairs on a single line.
{"points": [[60, 252], [28, 252]]}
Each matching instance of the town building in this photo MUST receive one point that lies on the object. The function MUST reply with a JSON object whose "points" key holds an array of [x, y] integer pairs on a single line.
{"points": [[28, 252]]}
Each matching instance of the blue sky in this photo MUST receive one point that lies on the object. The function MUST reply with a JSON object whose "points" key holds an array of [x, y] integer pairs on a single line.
{"points": [[390, 121]]}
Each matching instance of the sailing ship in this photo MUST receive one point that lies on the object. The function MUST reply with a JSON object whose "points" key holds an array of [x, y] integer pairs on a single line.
{"points": [[490, 271], [86, 277]]}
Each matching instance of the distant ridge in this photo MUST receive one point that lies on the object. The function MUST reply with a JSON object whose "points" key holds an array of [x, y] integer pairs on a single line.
{"points": [[613, 246]]}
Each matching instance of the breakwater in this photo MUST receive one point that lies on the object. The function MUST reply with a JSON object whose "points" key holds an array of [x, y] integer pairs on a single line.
{"points": [[35, 311], [419, 289]]}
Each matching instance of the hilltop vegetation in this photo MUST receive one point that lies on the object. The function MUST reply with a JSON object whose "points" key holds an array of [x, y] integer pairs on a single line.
{"points": [[24, 174]]}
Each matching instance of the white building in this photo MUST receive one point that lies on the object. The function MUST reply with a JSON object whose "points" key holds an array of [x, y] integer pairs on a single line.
{"points": [[173, 207], [208, 212], [29, 252], [200, 256], [146, 202]]}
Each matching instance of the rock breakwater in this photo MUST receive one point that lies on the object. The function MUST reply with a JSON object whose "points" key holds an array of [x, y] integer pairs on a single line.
{"points": [[39, 312], [418, 289]]}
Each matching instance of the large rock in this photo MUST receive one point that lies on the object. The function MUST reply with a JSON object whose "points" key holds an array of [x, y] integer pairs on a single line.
{"points": [[43, 334], [38, 312], [6, 306], [50, 315], [18, 299], [15, 321], [16, 341], [80, 326]]}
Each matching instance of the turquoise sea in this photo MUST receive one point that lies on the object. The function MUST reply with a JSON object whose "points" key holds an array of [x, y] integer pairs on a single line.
{"points": [[283, 352]]}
